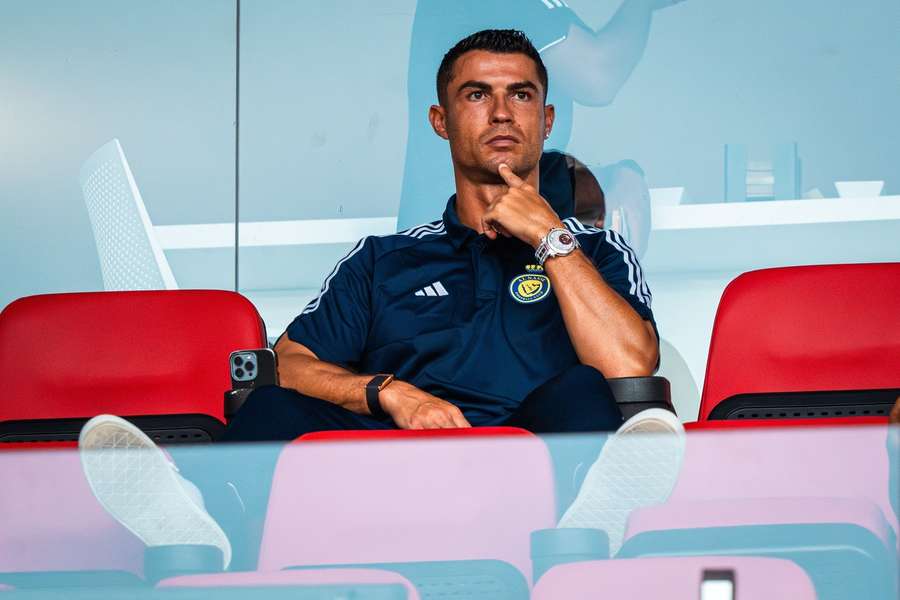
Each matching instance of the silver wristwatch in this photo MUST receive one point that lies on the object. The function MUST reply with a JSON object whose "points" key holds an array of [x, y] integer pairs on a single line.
{"points": [[557, 242]]}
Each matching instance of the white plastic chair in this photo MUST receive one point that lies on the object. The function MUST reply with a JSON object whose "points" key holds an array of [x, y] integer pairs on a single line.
{"points": [[130, 256]]}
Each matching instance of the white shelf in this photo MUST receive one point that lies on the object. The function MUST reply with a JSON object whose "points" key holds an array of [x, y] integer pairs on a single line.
{"points": [[753, 235]]}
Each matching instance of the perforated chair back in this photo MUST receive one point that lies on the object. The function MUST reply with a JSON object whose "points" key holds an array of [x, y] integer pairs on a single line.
{"points": [[157, 357], [130, 257], [417, 498], [803, 342]]}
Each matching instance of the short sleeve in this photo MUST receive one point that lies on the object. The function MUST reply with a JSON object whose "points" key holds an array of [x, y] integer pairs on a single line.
{"points": [[621, 270], [335, 324]]}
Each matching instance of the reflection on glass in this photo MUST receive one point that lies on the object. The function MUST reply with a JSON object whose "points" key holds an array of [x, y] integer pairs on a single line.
{"points": [[783, 508]]}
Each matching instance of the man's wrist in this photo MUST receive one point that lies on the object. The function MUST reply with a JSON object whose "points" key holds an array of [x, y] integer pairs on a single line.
{"points": [[375, 390], [540, 232]]}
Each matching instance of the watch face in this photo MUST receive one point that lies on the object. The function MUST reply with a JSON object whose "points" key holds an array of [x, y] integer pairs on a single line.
{"points": [[561, 240]]}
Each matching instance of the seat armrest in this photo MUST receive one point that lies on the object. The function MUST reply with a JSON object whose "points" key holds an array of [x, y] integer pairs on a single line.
{"points": [[634, 394]]}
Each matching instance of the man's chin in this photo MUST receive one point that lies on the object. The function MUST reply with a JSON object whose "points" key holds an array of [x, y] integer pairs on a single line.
{"points": [[492, 165]]}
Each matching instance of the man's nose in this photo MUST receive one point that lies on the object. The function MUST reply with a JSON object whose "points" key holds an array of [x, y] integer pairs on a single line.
{"points": [[501, 112]]}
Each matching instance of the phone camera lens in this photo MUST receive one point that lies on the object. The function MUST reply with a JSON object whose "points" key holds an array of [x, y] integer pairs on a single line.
{"points": [[249, 366], [239, 372], [238, 361]]}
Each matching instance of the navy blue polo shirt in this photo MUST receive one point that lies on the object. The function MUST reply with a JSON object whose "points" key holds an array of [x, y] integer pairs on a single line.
{"points": [[470, 320]]}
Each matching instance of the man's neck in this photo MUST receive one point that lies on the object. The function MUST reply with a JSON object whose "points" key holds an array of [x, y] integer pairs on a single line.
{"points": [[473, 199]]}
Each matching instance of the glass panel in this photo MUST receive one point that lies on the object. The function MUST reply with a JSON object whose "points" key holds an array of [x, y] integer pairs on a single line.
{"points": [[82, 212], [322, 139], [809, 510]]}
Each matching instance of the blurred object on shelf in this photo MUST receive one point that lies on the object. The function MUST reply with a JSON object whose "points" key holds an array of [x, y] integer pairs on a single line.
{"points": [[666, 196], [859, 189], [777, 177], [813, 194]]}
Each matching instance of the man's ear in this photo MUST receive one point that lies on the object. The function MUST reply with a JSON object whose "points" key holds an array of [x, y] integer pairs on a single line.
{"points": [[438, 117], [549, 117]]}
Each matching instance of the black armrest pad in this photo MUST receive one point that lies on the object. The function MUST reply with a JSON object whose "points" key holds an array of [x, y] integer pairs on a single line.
{"points": [[634, 394]]}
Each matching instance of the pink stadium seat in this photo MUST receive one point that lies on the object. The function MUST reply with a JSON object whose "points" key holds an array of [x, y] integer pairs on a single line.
{"points": [[159, 358], [805, 342], [54, 530], [448, 508], [755, 579], [816, 495], [313, 577]]}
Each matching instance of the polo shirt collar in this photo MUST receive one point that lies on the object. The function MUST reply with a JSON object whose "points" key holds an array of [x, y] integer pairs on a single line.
{"points": [[458, 233]]}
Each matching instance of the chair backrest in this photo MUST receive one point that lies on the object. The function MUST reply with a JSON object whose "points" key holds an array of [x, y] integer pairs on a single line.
{"points": [[678, 577], [765, 462], [789, 339], [356, 580], [130, 256], [150, 354], [53, 522], [472, 496]]}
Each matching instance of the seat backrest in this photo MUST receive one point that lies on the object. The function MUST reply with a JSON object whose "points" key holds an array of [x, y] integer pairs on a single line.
{"points": [[358, 580], [765, 462], [130, 256], [805, 335], [53, 522], [127, 353], [472, 496], [673, 577]]}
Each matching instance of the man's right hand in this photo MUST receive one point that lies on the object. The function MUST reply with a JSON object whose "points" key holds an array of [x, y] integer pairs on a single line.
{"points": [[411, 408]]}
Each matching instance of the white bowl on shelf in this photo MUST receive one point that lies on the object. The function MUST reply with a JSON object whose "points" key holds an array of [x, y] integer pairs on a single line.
{"points": [[666, 196], [859, 189]]}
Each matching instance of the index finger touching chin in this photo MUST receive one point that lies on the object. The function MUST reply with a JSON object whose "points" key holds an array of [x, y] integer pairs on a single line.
{"points": [[511, 179]]}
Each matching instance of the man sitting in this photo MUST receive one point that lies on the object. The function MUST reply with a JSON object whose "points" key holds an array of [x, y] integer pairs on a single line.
{"points": [[500, 313]]}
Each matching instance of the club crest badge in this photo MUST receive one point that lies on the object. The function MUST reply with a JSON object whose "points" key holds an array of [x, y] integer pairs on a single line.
{"points": [[532, 286]]}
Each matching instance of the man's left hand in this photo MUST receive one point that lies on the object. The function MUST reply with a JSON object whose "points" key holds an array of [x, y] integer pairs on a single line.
{"points": [[521, 212]]}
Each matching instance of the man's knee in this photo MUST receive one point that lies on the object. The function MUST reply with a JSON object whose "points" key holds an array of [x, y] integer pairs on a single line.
{"points": [[578, 399]]}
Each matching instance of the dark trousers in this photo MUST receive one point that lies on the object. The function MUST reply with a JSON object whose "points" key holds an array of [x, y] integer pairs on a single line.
{"points": [[575, 401]]}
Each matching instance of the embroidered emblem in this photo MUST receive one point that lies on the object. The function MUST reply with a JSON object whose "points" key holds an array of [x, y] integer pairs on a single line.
{"points": [[532, 286]]}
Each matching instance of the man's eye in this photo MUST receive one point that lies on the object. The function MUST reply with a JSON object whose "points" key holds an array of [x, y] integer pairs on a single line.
{"points": [[476, 95], [523, 95]]}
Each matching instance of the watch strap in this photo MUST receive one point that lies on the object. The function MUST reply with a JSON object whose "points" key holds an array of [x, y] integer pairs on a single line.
{"points": [[375, 385]]}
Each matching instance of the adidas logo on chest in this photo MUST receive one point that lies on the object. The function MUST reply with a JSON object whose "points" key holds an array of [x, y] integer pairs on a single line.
{"points": [[435, 289]]}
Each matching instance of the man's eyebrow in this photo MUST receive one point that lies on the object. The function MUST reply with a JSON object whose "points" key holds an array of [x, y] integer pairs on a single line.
{"points": [[479, 85], [484, 86], [522, 85]]}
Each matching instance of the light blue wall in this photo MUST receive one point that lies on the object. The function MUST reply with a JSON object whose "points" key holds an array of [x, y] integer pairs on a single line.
{"points": [[821, 73], [157, 75]]}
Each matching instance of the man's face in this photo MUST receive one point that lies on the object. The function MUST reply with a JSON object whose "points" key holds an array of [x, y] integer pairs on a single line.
{"points": [[495, 114]]}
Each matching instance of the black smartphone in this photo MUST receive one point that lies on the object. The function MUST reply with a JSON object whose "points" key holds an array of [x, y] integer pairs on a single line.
{"points": [[251, 369], [717, 584]]}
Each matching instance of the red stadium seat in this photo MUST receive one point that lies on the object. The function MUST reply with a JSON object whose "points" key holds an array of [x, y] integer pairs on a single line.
{"points": [[806, 342], [158, 358], [446, 508]]}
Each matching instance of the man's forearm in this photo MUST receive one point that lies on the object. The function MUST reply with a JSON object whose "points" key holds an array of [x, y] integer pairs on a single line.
{"points": [[606, 332], [305, 373], [301, 370]]}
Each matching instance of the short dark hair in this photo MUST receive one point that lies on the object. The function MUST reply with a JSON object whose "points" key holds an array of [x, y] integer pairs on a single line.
{"points": [[503, 41]]}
